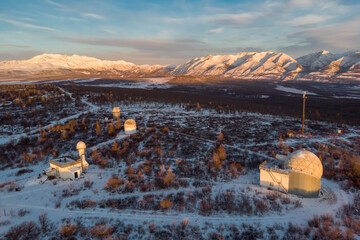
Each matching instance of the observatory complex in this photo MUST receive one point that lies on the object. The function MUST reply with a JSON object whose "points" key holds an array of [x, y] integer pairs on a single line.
{"points": [[298, 173], [67, 168]]}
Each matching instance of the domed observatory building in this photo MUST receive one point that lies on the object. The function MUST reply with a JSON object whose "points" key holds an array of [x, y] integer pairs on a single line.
{"points": [[67, 168], [298, 173], [130, 126]]}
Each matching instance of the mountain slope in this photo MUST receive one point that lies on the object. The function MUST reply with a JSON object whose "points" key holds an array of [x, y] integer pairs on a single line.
{"points": [[58, 65], [315, 61], [344, 69], [246, 65], [320, 66]]}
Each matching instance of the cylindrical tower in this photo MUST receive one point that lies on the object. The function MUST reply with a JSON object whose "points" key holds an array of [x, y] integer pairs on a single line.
{"points": [[81, 147], [116, 112]]}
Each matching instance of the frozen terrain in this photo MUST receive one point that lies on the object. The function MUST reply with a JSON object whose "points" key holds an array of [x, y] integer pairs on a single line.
{"points": [[203, 198]]}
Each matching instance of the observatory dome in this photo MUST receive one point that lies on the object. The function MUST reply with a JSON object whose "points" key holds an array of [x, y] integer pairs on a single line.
{"points": [[305, 161], [130, 123], [80, 145], [130, 126]]}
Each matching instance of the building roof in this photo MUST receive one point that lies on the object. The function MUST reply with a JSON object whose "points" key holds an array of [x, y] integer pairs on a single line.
{"points": [[305, 161], [64, 162], [276, 166]]}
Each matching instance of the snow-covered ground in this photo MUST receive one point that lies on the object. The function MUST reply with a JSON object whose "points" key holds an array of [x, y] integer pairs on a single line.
{"points": [[257, 138], [293, 90]]}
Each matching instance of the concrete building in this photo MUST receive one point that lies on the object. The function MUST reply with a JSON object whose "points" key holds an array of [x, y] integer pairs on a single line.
{"points": [[130, 126], [298, 173], [67, 168]]}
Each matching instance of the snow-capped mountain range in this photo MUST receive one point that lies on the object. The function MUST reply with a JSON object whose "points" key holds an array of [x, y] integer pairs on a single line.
{"points": [[320, 66], [247, 65]]}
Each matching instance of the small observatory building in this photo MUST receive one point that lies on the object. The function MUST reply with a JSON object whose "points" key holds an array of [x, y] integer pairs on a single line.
{"points": [[298, 173], [130, 126], [116, 112], [67, 168]]}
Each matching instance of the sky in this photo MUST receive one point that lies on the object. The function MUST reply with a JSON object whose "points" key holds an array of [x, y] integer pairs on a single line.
{"points": [[172, 32]]}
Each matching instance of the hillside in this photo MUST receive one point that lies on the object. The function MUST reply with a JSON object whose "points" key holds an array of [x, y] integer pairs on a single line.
{"points": [[344, 69], [315, 61]]}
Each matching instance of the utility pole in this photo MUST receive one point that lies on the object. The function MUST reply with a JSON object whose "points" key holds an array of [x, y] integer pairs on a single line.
{"points": [[303, 117]]}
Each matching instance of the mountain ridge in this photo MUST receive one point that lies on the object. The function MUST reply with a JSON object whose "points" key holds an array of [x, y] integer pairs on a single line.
{"points": [[319, 66]]}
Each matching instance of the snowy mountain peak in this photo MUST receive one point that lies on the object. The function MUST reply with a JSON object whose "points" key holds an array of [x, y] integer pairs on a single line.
{"points": [[316, 61]]}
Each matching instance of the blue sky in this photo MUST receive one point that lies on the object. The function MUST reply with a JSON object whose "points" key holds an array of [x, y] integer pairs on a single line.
{"points": [[171, 32]]}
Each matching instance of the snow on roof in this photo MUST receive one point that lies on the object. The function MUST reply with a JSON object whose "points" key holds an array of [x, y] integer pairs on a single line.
{"points": [[277, 166], [64, 162]]}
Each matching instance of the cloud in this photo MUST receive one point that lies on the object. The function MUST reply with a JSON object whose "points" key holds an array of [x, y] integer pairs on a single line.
{"points": [[150, 51], [307, 20], [13, 45], [301, 3], [141, 44], [54, 3], [231, 19], [25, 25], [338, 37], [216, 30], [171, 20], [93, 15], [65, 8], [18, 55]]}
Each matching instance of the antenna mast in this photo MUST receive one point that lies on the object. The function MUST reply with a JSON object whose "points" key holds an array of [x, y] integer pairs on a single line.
{"points": [[303, 117]]}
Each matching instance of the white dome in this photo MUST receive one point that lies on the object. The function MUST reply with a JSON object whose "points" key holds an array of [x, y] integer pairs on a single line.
{"points": [[80, 145], [130, 126], [305, 161], [130, 123]]}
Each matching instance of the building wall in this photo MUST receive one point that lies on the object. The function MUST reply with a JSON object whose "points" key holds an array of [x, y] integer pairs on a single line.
{"points": [[65, 173], [266, 180], [304, 185]]}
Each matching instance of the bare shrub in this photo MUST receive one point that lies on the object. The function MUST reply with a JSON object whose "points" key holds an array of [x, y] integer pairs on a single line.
{"points": [[151, 227], [169, 178], [184, 222], [166, 203], [113, 183], [58, 203], [23, 171], [314, 222], [88, 183], [4, 223], [25, 230], [101, 231], [68, 230], [71, 190], [45, 223], [22, 212]]}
